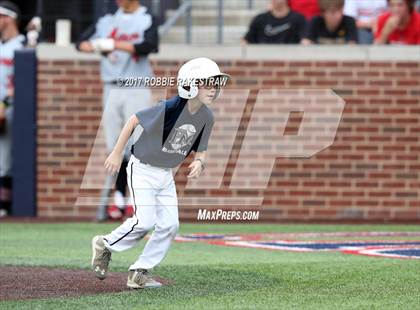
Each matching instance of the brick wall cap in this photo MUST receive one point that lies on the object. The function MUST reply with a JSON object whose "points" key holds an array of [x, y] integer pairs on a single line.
{"points": [[255, 52]]}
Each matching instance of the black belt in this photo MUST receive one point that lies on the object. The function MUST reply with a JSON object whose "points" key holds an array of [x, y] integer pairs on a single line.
{"points": [[145, 163], [140, 160]]}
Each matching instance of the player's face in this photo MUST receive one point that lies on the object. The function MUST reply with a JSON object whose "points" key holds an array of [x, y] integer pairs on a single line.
{"points": [[3, 22], [123, 3], [277, 4], [209, 89], [333, 17], [206, 94], [398, 8]]}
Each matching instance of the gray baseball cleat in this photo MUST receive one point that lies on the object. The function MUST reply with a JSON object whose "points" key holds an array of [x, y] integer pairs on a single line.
{"points": [[101, 257], [141, 278]]}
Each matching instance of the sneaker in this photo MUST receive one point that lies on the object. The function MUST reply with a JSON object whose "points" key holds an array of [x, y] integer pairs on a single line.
{"points": [[3, 213], [141, 278], [101, 257]]}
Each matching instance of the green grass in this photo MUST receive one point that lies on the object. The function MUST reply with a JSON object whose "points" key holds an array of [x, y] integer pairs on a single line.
{"points": [[216, 277]]}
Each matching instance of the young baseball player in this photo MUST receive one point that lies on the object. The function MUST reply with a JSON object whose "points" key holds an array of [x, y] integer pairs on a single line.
{"points": [[171, 130], [10, 41], [124, 39]]}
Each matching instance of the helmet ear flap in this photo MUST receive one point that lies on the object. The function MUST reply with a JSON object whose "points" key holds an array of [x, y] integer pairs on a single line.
{"points": [[218, 92], [188, 91], [193, 91]]}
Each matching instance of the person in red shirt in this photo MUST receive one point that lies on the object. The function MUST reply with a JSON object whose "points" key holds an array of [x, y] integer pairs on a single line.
{"points": [[401, 25], [308, 8]]}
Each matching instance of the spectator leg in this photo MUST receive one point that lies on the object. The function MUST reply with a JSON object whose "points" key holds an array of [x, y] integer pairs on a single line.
{"points": [[365, 36]]}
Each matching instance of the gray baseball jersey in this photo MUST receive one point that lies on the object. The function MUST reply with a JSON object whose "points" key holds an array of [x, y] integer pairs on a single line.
{"points": [[171, 132], [7, 54], [138, 28]]}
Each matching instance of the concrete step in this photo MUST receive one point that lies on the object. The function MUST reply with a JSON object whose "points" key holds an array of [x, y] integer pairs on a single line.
{"points": [[209, 17], [230, 4], [205, 35]]}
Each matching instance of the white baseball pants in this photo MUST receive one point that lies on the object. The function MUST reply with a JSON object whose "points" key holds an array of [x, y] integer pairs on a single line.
{"points": [[6, 146], [155, 202]]}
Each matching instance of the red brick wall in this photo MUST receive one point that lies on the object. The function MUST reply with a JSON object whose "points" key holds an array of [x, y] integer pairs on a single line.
{"points": [[371, 172]]}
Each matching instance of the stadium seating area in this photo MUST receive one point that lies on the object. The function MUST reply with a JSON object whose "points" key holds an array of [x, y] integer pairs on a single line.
{"points": [[238, 16]]}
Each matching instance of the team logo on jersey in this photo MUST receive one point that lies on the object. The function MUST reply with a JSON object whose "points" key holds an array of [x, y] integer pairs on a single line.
{"points": [[181, 137], [132, 37]]}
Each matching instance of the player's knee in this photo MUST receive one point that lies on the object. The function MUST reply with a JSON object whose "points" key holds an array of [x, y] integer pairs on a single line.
{"points": [[147, 226], [173, 229], [141, 224], [170, 229]]}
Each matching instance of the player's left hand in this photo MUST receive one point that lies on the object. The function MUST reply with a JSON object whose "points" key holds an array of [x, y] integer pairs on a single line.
{"points": [[196, 169]]}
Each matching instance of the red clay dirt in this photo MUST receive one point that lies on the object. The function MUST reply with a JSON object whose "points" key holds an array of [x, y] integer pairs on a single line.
{"points": [[18, 283]]}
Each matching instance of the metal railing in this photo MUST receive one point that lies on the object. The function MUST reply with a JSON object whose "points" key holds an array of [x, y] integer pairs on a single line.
{"points": [[220, 19], [185, 9], [220, 22]]}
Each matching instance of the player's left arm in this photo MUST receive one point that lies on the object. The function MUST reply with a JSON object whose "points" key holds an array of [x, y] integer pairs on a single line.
{"points": [[199, 163]]}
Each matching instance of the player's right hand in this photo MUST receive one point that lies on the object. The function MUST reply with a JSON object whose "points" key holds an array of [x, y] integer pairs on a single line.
{"points": [[103, 45], [113, 163]]}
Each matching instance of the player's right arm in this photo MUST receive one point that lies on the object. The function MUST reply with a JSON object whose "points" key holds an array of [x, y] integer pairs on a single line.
{"points": [[83, 44], [113, 162], [93, 39], [146, 118]]}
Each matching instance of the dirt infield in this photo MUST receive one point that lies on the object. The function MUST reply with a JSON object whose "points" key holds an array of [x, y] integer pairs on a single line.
{"points": [[18, 283]]}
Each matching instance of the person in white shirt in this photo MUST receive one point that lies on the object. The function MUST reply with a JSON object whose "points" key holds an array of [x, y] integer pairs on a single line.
{"points": [[10, 41], [365, 13]]}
